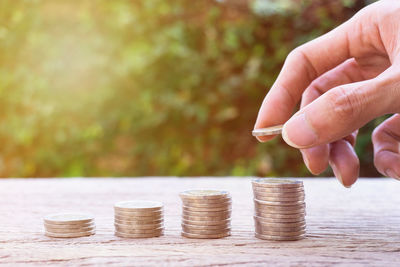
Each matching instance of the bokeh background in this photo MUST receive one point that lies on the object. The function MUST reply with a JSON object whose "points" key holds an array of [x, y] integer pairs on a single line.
{"points": [[157, 87]]}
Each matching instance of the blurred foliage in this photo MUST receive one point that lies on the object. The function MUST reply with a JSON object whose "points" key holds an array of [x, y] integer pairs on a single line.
{"points": [[158, 87]]}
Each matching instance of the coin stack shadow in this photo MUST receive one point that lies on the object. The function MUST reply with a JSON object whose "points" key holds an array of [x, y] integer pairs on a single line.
{"points": [[279, 209], [206, 214], [68, 225], [138, 219]]}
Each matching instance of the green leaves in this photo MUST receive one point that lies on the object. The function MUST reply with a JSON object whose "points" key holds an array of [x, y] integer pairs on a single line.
{"points": [[125, 88]]}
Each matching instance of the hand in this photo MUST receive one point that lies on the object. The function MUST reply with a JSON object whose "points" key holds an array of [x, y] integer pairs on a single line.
{"points": [[344, 79]]}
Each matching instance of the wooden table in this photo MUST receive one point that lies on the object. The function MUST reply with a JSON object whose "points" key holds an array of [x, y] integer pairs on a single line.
{"points": [[357, 226]]}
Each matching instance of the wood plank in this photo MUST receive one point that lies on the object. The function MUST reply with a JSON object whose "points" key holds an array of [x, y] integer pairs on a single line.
{"points": [[357, 226]]}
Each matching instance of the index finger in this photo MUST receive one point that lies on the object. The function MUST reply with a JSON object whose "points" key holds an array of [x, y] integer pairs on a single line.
{"points": [[302, 66]]}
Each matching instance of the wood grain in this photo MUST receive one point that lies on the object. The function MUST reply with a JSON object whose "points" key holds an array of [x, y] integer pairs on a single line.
{"points": [[358, 226]]}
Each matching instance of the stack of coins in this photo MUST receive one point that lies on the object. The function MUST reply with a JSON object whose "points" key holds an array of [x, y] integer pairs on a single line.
{"points": [[67, 225], [139, 219], [206, 213], [279, 209]]}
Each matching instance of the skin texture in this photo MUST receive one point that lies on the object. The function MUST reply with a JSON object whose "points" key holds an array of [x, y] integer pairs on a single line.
{"points": [[343, 80]]}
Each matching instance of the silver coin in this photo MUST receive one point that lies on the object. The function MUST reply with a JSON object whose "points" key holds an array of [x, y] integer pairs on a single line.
{"points": [[273, 130], [279, 216], [281, 225], [277, 183], [212, 209], [204, 194], [69, 230], [262, 205], [138, 218], [68, 218], [277, 190], [139, 226], [206, 227], [205, 218], [280, 220], [207, 223], [200, 236], [279, 238], [138, 231], [69, 226], [70, 235], [277, 203], [149, 235], [207, 205], [190, 230], [138, 205], [137, 221], [146, 214]]}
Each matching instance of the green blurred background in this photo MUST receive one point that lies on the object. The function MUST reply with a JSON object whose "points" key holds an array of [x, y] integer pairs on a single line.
{"points": [[156, 87]]}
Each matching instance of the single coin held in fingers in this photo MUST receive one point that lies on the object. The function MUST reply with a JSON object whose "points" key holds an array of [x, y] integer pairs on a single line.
{"points": [[277, 129]]}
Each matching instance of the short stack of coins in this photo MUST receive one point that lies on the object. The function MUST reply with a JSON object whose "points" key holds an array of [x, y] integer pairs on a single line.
{"points": [[139, 219], [279, 209], [206, 214], [68, 225]]}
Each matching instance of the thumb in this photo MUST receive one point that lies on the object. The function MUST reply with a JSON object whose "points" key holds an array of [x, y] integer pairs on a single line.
{"points": [[342, 110]]}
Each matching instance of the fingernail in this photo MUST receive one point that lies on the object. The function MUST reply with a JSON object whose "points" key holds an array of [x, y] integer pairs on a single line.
{"points": [[392, 174], [298, 133], [338, 175]]}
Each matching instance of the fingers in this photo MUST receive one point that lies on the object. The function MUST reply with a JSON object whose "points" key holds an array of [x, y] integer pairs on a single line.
{"points": [[342, 110], [344, 162], [386, 140], [302, 66], [317, 158]]}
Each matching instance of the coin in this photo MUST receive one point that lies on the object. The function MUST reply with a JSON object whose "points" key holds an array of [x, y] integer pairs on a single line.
{"points": [[125, 235], [69, 230], [68, 226], [137, 218], [216, 209], [138, 205], [277, 203], [200, 236], [149, 214], [267, 207], [279, 216], [206, 213], [207, 223], [139, 226], [206, 202], [264, 231], [281, 225], [267, 227], [206, 227], [68, 218], [204, 231], [280, 220], [277, 183], [137, 221], [138, 231], [206, 218], [204, 194], [277, 190], [70, 235], [207, 205], [273, 130], [260, 191], [279, 238]]}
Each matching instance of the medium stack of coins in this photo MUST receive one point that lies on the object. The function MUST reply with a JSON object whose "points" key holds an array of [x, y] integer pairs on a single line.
{"points": [[139, 219], [206, 214], [279, 209], [67, 225]]}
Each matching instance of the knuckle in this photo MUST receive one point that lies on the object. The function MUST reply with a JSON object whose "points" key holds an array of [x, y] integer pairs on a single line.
{"points": [[346, 103]]}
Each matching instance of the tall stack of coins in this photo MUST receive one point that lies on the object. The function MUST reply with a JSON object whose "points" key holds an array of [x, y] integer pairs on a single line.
{"points": [[206, 213], [139, 219], [279, 209], [68, 225]]}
